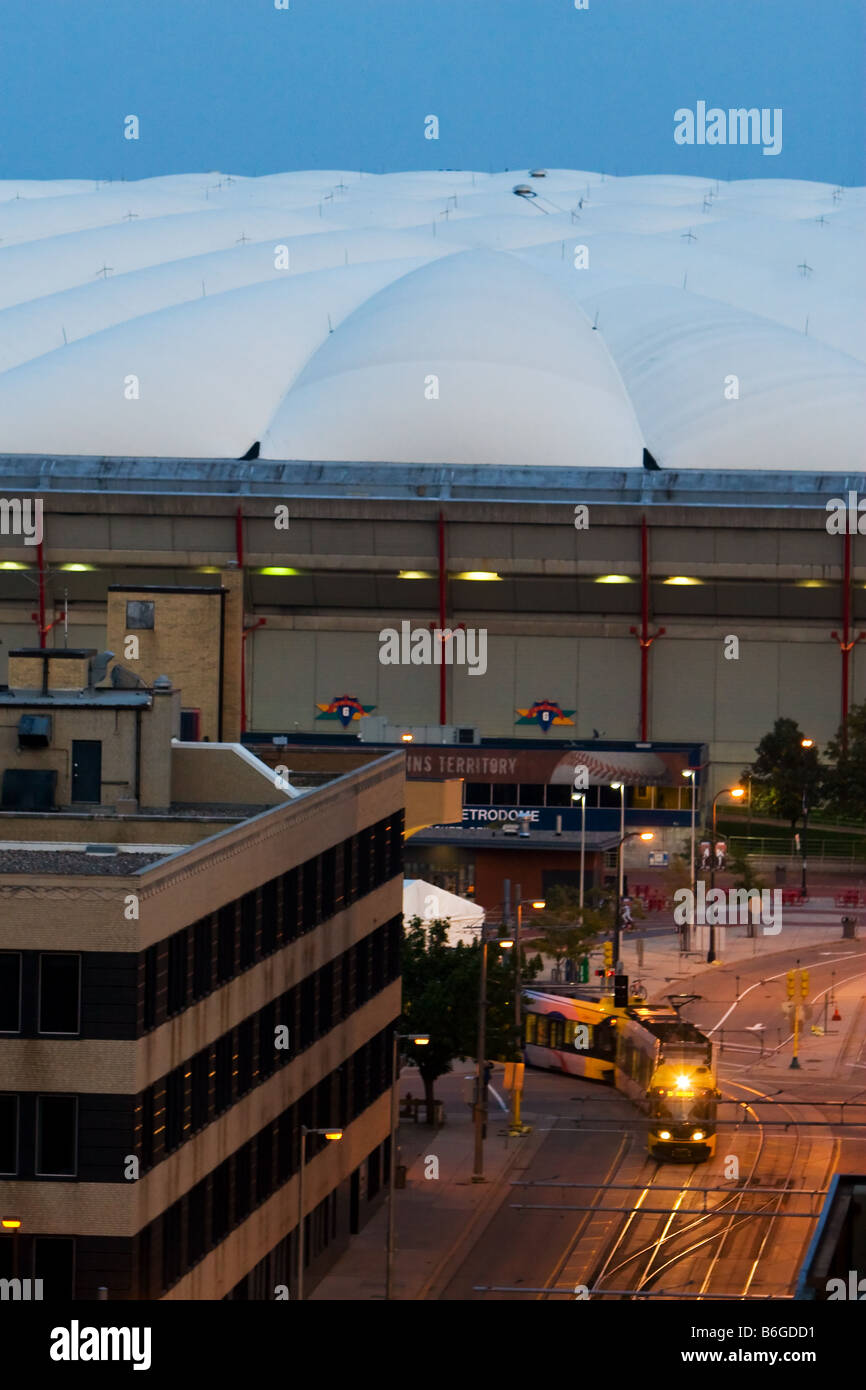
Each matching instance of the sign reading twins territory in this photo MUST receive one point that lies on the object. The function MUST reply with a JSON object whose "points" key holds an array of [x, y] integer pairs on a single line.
{"points": [[544, 713], [345, 708]]}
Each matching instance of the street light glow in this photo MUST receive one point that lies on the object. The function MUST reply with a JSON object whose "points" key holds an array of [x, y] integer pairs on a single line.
{"points": [[807, 743], [688, 772], [9, 1225], [738, 791], [540, 903], [333, 1134], [616, 786], [647, 835], [420, 1039]]}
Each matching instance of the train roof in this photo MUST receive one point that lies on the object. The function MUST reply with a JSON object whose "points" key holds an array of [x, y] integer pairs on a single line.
{"points": [[667, 1025]]}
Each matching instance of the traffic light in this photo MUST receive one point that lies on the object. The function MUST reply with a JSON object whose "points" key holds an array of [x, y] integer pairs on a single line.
{"points": [[608, 954], [790, 984], [620, 991], [804, 984]]}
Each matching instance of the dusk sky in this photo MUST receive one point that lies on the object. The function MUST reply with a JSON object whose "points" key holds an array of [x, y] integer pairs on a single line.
{"points": [[241, 87]]}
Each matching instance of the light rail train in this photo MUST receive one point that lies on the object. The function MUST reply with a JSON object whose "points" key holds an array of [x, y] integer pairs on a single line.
{"points": [[645, 1050]]}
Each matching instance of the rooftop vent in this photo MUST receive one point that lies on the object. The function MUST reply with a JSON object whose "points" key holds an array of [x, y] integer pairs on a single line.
{"points": [[100, 849], [538, 173], [99, 666], [162, 683], [124, 679], [523, 190]]}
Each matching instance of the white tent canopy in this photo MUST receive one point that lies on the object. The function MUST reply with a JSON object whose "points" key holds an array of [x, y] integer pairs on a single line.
{"points": [[425, 900]]}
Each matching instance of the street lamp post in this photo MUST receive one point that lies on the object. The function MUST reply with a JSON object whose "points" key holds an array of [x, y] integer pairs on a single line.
{"points": [[420, 1040], [332, 1133], [632, 835], [480, 1088], [805, 743], [736, 793], [691, 773], [516, 1127], [581, 797], [620, 787]]}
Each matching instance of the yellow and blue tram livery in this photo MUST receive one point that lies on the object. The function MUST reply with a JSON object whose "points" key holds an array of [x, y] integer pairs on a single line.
{"points": [[647, 1051]]}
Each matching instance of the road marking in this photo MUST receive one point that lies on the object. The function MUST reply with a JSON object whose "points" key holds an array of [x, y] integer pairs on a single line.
{"points": [[759, 983]]}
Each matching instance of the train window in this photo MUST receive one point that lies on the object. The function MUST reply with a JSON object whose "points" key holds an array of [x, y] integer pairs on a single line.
{"points": [[530, 1026], [570, 1028], [543, 1030], [556, 1032]]}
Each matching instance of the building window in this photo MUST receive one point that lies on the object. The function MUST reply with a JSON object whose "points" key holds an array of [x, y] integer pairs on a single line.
{"points": [[290, 906], [226, 943], [147, 1127], [267, 1039], [350, 869], [197, 1223], [59, 994], [10, 991], [150, 970], [245, 1056], [56, 1136], [172, 1247], [177, 957], [308, 1011], [243, 1181], [8, 1135], [202, 958], [476, 794], [248, 930], [174, 1097], [200, 1089], [265, 1164], [223, 1087], [221, 1201], [54, 1264], [140, 615], [269, 917], [311, 880], [561, 796]]}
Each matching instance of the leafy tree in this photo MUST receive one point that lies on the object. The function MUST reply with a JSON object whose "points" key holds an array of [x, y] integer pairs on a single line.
{"points": [[846, 779], [745, 874], [440, 997], [781, 772], [563, 937]]}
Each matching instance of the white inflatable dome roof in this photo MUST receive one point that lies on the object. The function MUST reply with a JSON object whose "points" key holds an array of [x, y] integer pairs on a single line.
{"points": [[436, 318]]}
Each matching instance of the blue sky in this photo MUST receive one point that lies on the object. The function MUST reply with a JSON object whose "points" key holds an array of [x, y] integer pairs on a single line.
{"points": [[239, 86]]}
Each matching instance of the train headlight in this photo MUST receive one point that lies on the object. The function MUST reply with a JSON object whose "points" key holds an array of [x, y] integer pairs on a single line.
{"points": [[698, 1134], [664, 1134], [683, 1083]]}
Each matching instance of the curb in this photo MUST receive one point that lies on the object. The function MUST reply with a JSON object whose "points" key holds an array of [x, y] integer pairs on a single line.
{"points": [[481, 1217]]}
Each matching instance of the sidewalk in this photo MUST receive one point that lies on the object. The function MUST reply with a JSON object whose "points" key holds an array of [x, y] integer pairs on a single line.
{"points": [[818, 923], [442, 1210]]}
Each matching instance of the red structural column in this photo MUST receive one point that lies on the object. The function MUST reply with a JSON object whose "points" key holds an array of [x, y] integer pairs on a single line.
{"points": [[846, 644], [443, 586], [643, 634]]}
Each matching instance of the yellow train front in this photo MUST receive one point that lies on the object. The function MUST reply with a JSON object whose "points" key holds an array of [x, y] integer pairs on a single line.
{"points": [[646, 1050], [682, 1109]]}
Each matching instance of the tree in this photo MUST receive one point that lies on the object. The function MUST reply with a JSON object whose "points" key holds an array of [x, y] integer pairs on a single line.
{"points": [[563, 936], [440, 997], [846, 779], [784, 774]]}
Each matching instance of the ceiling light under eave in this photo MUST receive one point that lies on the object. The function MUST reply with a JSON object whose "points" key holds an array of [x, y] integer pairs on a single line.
{"points": [[683, 579], [614, 579], [278, 570], [415, 574], [481, 576], [78, 569]]}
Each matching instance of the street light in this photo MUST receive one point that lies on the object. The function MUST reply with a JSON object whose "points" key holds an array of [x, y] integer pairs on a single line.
{"points": [[581, 797], [419, 1040], [736, 793], [516, 1127], [805, 743], [692, 773], [480, 1089], [632, 835], [332, 1133], [620, 787]]}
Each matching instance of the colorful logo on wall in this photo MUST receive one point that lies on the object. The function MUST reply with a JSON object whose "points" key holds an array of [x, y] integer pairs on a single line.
{"points": [[544, 713], [345, 708]]}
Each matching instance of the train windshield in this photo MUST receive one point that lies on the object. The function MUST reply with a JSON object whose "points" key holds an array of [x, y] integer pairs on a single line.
{"points": [[683, 1107]]}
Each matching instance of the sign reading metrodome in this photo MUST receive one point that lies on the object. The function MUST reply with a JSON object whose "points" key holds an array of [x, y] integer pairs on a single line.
{"points": [[436, 318]]}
